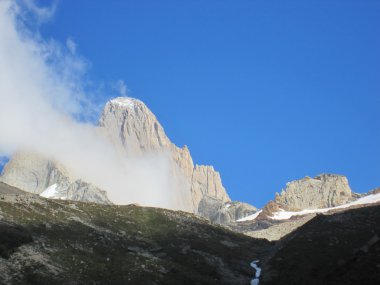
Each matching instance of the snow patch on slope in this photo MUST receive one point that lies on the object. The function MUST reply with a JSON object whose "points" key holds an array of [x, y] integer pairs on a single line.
{"points": [[250, 217], [52, 193]]}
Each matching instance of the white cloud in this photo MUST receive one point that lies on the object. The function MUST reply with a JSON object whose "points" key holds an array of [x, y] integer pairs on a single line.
{"points": [[122, 88], [71, 45], [42, 14], [41, 94]]}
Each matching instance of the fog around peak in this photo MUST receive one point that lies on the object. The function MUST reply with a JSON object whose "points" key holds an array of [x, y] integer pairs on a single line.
{"points": [[41, 98]]}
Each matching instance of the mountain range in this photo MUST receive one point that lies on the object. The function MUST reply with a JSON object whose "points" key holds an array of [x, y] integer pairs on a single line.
{"points": [[135, 132], [56, 225]]}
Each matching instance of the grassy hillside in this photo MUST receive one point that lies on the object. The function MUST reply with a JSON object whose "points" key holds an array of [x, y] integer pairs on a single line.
{"points": [[64, 242]]}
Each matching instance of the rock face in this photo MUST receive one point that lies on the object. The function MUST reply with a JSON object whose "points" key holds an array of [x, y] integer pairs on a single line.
{"points": [[224, 213], [206, 182], [86, 192], [134, 131], [234, 211], [323, 191], [34, 173]]}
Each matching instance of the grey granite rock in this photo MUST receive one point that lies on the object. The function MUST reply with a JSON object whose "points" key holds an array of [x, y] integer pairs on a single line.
{"points": [[323, 191], [224, 213], [33, 173], [134, 131]]}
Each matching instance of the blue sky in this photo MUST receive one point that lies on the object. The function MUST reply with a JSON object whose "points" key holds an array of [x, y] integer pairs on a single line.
{"points": [[266, 91]]}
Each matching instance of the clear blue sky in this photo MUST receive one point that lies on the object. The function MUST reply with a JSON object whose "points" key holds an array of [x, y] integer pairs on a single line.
{"points": [[266, 91]]}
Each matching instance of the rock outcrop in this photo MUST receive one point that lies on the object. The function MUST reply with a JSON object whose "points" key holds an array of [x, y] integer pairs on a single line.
{"points": [[33, 173], [134, 131], [224, 213], [206, 182], [233, 211], [323, 191]]}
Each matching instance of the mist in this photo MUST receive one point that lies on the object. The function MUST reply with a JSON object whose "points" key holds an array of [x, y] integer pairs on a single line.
{"points": [[41, 98]]}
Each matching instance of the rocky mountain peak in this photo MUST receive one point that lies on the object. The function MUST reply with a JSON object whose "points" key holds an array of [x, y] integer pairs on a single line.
{"points": [[134, 131], [130, 124], [322, 191]]}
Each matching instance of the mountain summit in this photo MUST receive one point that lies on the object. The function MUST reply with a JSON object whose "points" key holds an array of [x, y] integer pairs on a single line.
{"points": [[134, 132]]}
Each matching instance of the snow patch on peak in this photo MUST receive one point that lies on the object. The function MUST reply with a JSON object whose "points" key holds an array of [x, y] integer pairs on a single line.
{"points": [[124, 102]]}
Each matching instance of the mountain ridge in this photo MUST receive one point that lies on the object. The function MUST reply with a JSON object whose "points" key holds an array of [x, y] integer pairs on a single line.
{"points": [[46, 241], [134, 131]]}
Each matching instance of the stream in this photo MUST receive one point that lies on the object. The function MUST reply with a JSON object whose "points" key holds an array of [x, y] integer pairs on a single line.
{"points": [[255, 281]]}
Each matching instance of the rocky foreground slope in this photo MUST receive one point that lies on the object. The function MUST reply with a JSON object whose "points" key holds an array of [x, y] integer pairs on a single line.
{"points": [[339, 248], [64, 242]]}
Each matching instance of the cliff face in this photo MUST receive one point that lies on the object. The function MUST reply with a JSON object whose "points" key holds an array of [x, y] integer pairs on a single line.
{"points": [[134, 131], [30, 172], [323, 191], [33, 173], [205, 181]]}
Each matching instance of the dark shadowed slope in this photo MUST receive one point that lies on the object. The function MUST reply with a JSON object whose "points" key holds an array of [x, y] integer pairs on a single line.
{"points": [[341, 248]]}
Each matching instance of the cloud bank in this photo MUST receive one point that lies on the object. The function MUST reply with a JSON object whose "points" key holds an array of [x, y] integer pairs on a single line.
{"points": [[41, 99]]}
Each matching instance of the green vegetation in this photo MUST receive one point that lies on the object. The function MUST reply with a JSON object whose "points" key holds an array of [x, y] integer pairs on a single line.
{"points": [[85, 243]]}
